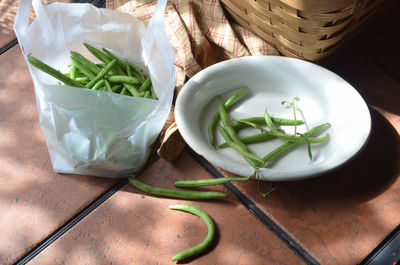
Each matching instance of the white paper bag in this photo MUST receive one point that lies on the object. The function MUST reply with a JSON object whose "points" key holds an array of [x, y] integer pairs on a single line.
{"points": [[88, 131]]}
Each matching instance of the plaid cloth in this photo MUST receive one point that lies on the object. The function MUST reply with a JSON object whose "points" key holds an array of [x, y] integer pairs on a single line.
{"points": [[199, 33], [200, 36]]}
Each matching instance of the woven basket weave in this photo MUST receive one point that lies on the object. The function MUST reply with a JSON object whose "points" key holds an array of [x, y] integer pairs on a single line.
{"points": [[306, 29]]}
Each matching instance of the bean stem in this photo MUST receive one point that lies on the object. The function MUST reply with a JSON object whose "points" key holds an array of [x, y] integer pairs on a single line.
{"points": [[210, 231], [183, 194]]}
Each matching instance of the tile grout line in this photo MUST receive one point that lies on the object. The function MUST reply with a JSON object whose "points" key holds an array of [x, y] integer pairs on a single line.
{"points": [[8, 46], [388, 244], [292, 244], [78, 217]]}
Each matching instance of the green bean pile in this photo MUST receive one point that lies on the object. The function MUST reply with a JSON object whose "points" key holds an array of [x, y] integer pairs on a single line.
{"points": [[111, 75], [229, 131]]}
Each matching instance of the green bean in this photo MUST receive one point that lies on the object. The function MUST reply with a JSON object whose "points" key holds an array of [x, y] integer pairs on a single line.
{"points": [[291, 138], [116, 88], [183, 194], [111, 56], [207, 182], [261, 121], [83, 69], [227, 126], [146, 85], [124, 91], [128, 68], [257, 138], [120, 66], [53, 72], [73, 70], [77, 74], [238, 147], [123, 79], [210, 231], [132, 90], [102, 73], [153, 93], [83, 80], [85, 62], [97, 53], [214, 120], [286, 146], [147, 94], [109, 89], [138, 71], [98, 85]]}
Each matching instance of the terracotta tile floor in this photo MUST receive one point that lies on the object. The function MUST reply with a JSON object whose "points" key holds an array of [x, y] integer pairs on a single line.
{"points": [[339, 218]]}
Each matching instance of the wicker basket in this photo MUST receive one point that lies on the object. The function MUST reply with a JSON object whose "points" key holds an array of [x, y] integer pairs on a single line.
{"points": [[306, 29]]}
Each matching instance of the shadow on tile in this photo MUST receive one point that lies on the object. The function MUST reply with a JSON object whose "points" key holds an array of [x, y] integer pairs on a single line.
{"points": [[369, 174]]}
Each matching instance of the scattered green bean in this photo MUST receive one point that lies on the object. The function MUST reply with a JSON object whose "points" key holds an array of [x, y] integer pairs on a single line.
{"points": [[287, 146], [250, 139], [237, 146], [214, 120], [53, 72], [210, 231], [261, 121], [227, 126], [207, 182], [183, 194], [291, 138]]}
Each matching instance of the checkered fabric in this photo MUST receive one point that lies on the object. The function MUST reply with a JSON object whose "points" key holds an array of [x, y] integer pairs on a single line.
{"points": [[199, 32]]}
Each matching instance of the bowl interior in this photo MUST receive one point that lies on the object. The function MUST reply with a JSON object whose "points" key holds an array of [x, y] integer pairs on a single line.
{"points": [[323, 97]]}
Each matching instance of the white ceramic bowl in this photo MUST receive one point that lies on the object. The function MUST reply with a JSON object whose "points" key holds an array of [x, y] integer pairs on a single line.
{"points": [[323, 97]]}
